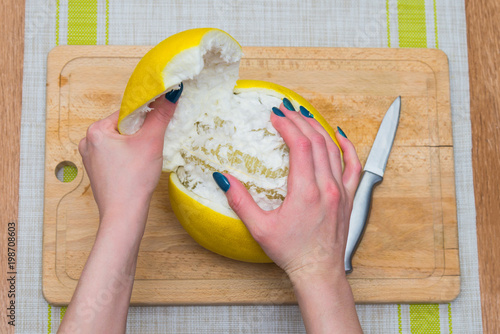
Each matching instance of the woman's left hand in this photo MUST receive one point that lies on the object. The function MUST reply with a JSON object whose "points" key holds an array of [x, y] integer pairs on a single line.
{"points": [[125, 169]]}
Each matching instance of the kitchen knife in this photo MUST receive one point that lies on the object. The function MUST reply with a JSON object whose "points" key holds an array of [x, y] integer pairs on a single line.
{"points": [[373, 173]]}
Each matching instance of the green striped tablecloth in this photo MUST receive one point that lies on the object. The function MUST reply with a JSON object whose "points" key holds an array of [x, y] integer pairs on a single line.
{"points": [[322, 23]]}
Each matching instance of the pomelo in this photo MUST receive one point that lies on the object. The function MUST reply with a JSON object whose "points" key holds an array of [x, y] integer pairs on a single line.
{"points": [[221, 124]]}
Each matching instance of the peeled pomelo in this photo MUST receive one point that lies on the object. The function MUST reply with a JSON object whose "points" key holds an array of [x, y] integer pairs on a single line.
{"points": [[221, 124]]}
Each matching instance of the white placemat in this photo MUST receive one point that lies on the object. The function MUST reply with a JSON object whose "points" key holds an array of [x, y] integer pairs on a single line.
{"points": [[364, 23]]}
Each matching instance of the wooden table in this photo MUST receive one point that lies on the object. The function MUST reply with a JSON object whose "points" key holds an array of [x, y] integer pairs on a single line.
{"points": [[11, 82], [483, 23], [483, 31]]}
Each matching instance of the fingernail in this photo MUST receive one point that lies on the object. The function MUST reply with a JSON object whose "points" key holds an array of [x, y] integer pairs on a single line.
{"points": [[278, 112], [341, 132], [221, 181], [305, 112], [288, 104], [174, 95]]}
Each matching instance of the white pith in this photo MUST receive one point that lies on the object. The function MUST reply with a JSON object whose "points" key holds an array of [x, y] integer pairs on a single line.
{"points": [[211, 117]]}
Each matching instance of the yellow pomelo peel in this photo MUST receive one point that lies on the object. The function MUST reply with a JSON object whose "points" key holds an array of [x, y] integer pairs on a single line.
{"points": [[163, 68], [221, 124], [213, 230]]}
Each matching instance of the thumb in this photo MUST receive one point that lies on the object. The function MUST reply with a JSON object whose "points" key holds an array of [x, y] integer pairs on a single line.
{"points": [[157, 120], [240, 200]]}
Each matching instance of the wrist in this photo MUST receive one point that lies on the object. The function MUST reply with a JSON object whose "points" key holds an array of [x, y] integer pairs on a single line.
{"points": [[318, 270], [129, 209], [320, 275], [124, 221], [329, 286], [326, 301]]}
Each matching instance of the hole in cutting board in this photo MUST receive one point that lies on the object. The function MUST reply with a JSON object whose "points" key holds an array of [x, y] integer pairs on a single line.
{"points": [[66, 171]]}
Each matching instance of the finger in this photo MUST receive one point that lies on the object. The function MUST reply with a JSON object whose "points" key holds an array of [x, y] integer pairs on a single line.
{"points": [[95, 133], [319, 145], [332, 149], [301, 173], [352, 165], [241, 201], [157, 120], [82, 146], [91, 128], [111, 122]]}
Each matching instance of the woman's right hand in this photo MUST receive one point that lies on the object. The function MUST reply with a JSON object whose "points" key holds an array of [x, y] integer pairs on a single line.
{"points": [[307, 234]]}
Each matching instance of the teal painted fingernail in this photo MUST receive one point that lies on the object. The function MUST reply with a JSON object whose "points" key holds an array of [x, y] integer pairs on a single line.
{"points": [[221, 181], [305, 112], [278, 112], [288, 104], [174, 95], [341, 132]]}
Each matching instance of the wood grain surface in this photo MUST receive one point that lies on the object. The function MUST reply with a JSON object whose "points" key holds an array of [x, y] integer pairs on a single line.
{"points": [[11, 80], [483, 29], [410, 249]]}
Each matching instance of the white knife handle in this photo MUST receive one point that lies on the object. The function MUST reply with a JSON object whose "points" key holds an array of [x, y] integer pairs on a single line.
{"points": [[359, 215]]}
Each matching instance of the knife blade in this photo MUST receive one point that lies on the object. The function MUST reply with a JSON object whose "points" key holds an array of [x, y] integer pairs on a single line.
{"points": [[373, 174]]}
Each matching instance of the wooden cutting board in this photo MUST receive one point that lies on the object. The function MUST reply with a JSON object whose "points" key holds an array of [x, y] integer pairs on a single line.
{"points": [[410, 249]]}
